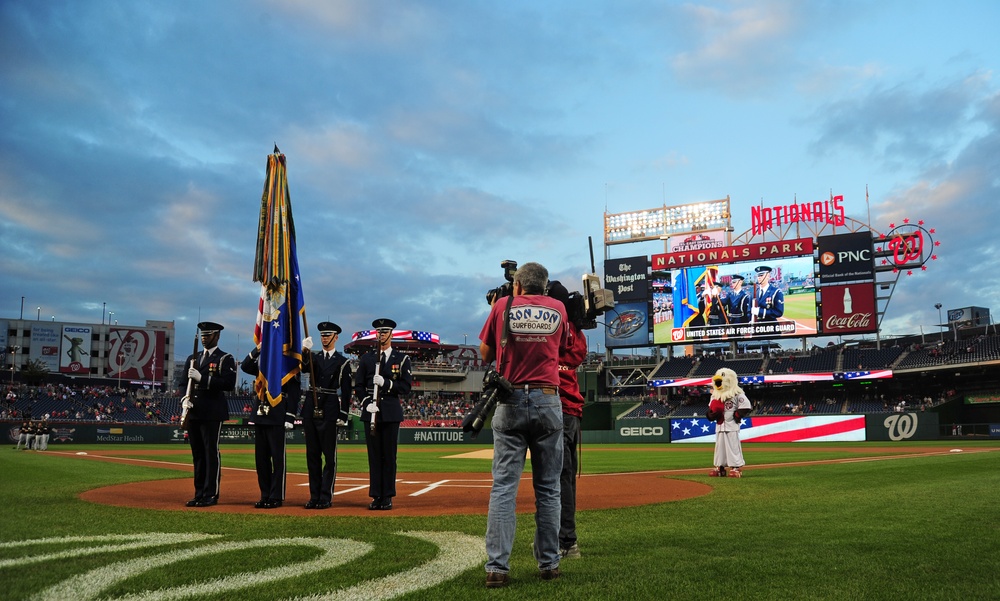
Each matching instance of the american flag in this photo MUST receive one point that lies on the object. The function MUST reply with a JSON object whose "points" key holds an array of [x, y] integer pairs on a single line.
{"points": [[697, 429], [400, 335], [793, 428]]}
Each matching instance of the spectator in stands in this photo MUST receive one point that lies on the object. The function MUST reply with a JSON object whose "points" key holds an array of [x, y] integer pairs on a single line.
{"points": [[526, 348], [212, 374], [391, 372], [570, 357], [323, 411]]}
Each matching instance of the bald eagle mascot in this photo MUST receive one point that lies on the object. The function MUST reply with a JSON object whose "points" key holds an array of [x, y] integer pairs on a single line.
{"points": [[728, 407]]}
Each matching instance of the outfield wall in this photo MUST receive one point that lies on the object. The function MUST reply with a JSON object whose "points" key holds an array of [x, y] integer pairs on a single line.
{"points": [[769, 428]]}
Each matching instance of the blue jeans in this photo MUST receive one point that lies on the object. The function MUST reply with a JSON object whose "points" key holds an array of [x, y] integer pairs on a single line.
{"points": [[527, 421]]}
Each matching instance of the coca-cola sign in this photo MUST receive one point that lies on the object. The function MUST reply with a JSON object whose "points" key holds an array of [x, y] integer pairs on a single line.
{"points": [[848, 309]]}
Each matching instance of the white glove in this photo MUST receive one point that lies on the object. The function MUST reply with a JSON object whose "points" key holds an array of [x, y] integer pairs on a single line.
{"points": [[289, 425], [372, 408], [341, 423], [187, 404], [378, 380], [307, 343], [194, 374]]}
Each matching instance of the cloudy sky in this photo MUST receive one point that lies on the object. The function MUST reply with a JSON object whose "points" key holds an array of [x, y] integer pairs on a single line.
{"points": [[428, 141]]}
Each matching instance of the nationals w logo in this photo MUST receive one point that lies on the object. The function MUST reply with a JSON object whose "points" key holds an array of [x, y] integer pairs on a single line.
{"points": [[457, 552]]}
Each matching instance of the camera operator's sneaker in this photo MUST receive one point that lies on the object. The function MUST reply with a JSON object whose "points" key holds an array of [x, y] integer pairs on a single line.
{"points": [[570, 553], [735, 473]]}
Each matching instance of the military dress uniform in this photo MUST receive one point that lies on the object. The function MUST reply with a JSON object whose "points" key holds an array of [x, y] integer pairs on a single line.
{"points": [[739, 304], [770, 300], [395, 368], [209, 410], [269, 435], [330, 373]]}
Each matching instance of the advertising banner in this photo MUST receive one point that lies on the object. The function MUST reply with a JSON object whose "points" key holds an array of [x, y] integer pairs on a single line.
{"points": [[627, 278], [44, 345], [903, 426], [699, 241], [982, 398], [136, 354], [627, 325], [75, 358], [805, 428], [846, 258], [641, 430], [848, 309]]}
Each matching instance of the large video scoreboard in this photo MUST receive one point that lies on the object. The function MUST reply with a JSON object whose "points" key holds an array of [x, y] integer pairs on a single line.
{"points": [[823, 286]]}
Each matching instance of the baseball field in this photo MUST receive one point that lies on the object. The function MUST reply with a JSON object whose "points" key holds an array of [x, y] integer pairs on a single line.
{"points": [[807, 521]]}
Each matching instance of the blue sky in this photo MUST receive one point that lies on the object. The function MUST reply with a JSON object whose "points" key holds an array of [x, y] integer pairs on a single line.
{"points": [[429, 141]]}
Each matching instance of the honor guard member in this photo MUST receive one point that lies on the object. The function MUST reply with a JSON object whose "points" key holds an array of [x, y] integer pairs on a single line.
{"points": [[213, 374], [769, 300], [323, 411], [382, 377], [270, 424], [739, 301]]}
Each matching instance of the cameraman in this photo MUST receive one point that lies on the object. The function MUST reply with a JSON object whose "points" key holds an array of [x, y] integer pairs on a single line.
{"points": [[570, 358], [524, 333]]}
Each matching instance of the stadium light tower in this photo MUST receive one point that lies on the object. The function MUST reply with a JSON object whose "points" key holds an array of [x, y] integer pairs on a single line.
{"points": [[940, 321]]}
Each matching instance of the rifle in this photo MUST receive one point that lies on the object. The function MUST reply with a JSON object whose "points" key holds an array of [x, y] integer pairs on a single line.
{"points": [[187, 395], [373, 406], [317, 410]]}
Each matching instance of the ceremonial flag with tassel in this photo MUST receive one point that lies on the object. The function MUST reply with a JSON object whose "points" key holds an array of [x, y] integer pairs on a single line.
{"points": [[278, 332]]}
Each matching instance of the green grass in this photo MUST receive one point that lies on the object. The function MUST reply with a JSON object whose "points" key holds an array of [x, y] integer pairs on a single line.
{"points": [[909, 528]]}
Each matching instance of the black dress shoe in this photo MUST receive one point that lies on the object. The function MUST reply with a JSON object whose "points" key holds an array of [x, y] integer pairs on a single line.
{"points": [[386, 504], [261, 504], [207, 502], [376, 503], [193, 502], [272, 504], [323, 505], [312, 504]]}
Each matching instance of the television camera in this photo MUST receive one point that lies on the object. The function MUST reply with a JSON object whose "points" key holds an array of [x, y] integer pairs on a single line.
{"points": [[581, 308]]}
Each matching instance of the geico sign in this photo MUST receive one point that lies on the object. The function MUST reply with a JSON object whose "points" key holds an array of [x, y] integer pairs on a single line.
{"points": [[642, 431]]}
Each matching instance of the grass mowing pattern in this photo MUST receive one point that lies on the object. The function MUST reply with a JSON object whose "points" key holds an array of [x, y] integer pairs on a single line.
{"points": [[909, 528]]}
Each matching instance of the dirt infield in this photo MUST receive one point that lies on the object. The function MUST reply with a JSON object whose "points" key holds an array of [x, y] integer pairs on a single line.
{"points": [[417, 494]]}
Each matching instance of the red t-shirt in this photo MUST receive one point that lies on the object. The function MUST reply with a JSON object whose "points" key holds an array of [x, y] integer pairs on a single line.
{"points": [[570, 357], [538, 328]]}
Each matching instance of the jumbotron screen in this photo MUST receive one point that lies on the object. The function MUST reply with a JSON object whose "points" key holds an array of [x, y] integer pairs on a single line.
{"points": [[764, 298]]}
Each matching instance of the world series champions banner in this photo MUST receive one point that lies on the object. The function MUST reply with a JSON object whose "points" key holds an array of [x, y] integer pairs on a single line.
{"points": [[136, 354]]}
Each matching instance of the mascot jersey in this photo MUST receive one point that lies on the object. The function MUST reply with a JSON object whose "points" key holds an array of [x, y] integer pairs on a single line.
{"points": [[726, 389]]}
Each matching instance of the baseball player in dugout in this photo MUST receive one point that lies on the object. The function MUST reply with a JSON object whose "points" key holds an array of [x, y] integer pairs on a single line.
{"points": [[325, 408], [212, 374], [383, 376], [270, 423], [524, 333]]}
